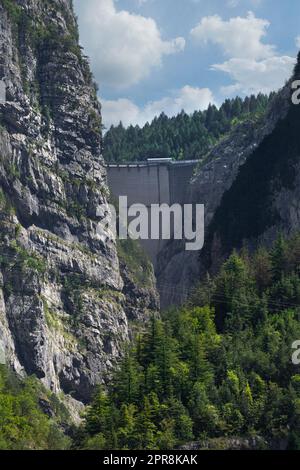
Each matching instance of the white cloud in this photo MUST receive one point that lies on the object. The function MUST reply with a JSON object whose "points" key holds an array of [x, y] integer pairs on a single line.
{"points": [[187, 98], [297, 41], [232, 3], [236, 3], [124, 110], [253, 76], [253, 65], [238, 37], [123, 47]]}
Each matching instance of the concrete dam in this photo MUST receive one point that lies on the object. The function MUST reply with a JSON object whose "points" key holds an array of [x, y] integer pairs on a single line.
{"points": [[155, 181]]}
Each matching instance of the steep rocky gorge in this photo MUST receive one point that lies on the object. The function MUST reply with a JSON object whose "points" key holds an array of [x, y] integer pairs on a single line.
{"points": [[214, 179], [69, 295], [66, 301]]}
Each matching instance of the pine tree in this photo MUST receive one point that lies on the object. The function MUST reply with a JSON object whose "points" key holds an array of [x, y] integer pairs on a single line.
{"points": [[278, 258]]}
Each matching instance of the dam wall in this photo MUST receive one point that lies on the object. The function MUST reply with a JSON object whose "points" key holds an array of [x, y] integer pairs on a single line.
{"points": [[157, 181]]}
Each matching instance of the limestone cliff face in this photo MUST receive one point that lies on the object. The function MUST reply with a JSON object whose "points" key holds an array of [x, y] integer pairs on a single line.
{"points": [[63, 301], [179, 270]]}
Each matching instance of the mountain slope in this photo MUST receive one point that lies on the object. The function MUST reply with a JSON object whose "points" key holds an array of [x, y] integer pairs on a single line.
{"points": [[179, 270]]}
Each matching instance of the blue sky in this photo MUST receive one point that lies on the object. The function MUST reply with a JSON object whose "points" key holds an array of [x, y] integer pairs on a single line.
{"points": [[150, 56]]}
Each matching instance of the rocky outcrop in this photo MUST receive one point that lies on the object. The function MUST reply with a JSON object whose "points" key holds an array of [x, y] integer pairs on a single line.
{"points": [[140, 298], [179, 270], [63, 301]]}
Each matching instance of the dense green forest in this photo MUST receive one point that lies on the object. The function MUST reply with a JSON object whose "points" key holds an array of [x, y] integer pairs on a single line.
{"points": [[221, 366], [184, 137], [218, 367], [30, 417]]}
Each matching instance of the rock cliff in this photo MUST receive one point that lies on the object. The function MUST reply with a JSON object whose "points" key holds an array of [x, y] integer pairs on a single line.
{"points": [[63, 302], [264, 198], [179, 270]]}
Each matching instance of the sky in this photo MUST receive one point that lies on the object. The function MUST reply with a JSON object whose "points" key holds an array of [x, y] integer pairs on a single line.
{"points": [[153, 56]]}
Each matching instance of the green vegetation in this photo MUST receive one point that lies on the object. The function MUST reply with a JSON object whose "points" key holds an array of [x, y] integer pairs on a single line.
{"points": [[48, 40], [182, 137], [13, 10], [221, 366], [5, 205], [23, 425], [36, 32], [59, 325], [13, 171], [22, 260], [136, 261], [95, 121], [16, 261], [74, 285], [75, 209]]}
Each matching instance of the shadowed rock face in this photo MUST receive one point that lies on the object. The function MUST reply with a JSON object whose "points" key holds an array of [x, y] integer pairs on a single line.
{"points": [[178, 270], [264, 198], [63, 302]]}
